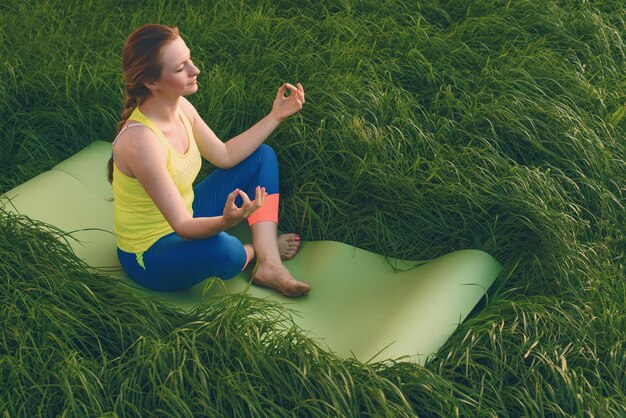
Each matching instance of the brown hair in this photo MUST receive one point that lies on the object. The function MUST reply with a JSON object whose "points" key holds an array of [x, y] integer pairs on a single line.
{"points": [[140, 64]]}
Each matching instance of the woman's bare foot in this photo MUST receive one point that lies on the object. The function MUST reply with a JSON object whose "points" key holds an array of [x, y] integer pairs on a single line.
{"points": [[277, 277], [288, 246]]}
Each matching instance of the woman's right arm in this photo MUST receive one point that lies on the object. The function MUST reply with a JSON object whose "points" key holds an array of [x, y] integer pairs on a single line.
{"points": [[143, 155]]}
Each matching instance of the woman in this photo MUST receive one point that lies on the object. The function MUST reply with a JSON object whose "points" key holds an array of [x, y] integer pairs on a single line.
{"points": [[170, 235]]}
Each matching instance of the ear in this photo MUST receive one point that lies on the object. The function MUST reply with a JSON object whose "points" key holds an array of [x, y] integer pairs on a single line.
{"points": [[151, 85]]}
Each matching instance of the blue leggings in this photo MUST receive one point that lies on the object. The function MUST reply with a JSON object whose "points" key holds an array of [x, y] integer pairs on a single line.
{"points": [[173, 263]]}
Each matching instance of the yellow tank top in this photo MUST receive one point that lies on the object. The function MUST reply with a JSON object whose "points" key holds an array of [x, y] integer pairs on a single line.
{"points": [[138, 221]]}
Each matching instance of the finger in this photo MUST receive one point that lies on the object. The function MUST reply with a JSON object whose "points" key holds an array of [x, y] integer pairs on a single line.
{"points": [[281, 91], [294, 90], [245, 198], [230, 200], [258, 199], [260, 196], [301, 92]]}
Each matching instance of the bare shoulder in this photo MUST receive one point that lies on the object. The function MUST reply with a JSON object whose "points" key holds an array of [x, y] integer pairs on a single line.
{"points": [[138, 138], [189, 110], [135, 147]]}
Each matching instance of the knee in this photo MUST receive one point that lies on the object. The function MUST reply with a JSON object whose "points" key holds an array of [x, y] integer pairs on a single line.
{"points": [[233, 257], [265, 151]]}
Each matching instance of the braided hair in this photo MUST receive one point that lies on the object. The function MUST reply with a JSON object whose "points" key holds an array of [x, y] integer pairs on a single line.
{"points": [[141, 64]]}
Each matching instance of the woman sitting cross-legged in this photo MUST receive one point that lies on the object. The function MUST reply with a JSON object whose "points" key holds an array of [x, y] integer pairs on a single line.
{"points": [[170, 234]]}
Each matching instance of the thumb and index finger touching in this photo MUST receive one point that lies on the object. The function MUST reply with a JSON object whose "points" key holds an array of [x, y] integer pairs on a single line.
{"points": [[260, 194], [230, 200], [291, 87]]}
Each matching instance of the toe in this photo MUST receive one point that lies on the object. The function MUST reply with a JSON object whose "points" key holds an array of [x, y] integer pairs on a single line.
{"points": [[299, 289]]}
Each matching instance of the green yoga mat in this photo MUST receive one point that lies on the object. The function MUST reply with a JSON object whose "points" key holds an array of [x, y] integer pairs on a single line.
{"points": [[359, 306]]}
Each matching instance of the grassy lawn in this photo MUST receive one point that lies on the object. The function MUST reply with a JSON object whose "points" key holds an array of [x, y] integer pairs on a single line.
{"points": [[429, 127]]}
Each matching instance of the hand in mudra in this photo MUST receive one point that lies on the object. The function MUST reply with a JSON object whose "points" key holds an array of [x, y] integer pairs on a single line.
{"points": [[285, 106], [233, 214]]}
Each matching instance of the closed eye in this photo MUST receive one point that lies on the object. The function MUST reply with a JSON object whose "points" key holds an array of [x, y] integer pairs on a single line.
{"points": [[182, 67]]}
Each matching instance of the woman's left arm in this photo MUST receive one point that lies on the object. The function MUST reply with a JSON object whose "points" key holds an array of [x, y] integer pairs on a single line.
{"points": [[235, 150]]}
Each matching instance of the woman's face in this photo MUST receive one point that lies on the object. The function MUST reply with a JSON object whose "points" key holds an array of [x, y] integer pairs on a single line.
{"points": [[178, 76]]}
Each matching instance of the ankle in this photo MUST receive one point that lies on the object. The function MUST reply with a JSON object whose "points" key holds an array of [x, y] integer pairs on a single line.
{"points": [[269, 260]]}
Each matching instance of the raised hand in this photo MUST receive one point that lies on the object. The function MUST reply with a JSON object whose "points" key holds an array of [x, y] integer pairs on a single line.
{"points": [[233, 214], [285, 106]]}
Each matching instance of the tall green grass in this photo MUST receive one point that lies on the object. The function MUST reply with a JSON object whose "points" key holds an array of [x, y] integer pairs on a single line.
{"points": [[429, 127]]}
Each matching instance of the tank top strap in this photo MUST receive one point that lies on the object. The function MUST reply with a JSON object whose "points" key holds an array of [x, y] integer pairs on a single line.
{"points": [[185, 120], [144, 120], [125, 128]]}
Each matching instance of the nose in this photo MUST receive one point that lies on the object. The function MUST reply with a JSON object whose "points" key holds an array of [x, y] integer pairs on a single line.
{"points": [[194, 70]]}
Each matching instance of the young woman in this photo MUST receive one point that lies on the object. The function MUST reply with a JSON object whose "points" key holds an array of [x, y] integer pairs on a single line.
{"points": [[171, 235]]}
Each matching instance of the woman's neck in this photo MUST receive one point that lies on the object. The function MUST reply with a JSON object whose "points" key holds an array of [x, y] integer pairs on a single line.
{"points": [[160, 108]]}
